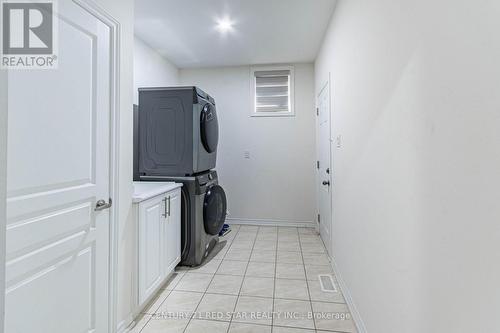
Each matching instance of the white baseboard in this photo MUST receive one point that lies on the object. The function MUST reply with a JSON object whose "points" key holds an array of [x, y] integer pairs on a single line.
{"points": [[125, 325], [130, 321], [350, 302], [270, 222]]}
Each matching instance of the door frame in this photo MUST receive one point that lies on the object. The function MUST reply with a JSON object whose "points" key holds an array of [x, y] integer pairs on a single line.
{"points": [[3, 187], [326, 85], [114, 156], [114, 27]]}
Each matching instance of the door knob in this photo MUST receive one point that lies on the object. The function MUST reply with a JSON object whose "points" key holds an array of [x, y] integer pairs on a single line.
{"points": [[326, 182], [102, 205]]}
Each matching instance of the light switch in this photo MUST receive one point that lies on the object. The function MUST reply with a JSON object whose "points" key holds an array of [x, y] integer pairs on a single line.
{"points": [[339, 141], [246, 154]]}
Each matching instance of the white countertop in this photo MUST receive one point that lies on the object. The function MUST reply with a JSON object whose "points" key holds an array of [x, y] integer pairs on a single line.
{"points": [[146, 190]]}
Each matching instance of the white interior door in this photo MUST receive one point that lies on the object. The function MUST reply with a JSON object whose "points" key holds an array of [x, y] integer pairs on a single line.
{"points": [[58, 167], [324, 171]]}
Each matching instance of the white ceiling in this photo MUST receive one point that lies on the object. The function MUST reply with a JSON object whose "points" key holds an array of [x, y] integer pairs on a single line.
{"points": [[265, 31]]}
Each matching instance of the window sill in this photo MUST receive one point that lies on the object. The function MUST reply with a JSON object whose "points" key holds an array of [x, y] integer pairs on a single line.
{"points": [[272, 115]]}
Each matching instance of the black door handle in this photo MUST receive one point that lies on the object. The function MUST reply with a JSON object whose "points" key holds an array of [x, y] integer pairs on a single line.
{"points": [[326, 182]]}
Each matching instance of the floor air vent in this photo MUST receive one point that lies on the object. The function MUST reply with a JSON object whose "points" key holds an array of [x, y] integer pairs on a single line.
{"points": [[327, 283]]}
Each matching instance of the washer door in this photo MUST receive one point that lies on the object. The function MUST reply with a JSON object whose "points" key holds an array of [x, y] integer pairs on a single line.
{"points": [[209, 128], [214, 209]]}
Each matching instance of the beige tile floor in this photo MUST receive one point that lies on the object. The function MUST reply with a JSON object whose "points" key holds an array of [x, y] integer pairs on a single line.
{"points": [[265, 279]]}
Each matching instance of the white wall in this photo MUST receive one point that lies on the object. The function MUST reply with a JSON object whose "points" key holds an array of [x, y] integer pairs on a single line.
{"points": [[277, 182], [417, 180], [151, 69]]}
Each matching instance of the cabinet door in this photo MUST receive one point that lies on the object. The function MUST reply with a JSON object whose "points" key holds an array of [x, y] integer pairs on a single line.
{"points": [[150, 242], [173, 231]]}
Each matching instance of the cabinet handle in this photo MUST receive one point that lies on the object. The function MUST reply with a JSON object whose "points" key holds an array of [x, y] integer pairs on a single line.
{"points": [[168, 205], [164, 207]]}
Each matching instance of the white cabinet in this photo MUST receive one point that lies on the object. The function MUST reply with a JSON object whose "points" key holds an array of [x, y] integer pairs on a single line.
{"points": [[159, 235], [172, 231], [151, 239]]}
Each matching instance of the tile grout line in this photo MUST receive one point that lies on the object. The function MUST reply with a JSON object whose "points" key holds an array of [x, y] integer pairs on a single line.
{"points": [[205, 292], [154, 311], [197, 305], [248, 261], [159, 306], [275, 274], [243, 280], [254, 296], [307, 285], [280, 326]]}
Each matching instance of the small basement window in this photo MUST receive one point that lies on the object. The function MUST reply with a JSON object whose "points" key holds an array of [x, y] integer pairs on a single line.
{"points": [[272, 91]]}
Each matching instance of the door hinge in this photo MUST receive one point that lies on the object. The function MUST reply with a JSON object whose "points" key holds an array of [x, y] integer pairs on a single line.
{"points": [[317, 164], [317, 111], [319, 218]]}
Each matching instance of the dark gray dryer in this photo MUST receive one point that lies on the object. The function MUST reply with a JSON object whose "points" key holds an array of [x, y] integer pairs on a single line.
{"points": [[178, 132]]}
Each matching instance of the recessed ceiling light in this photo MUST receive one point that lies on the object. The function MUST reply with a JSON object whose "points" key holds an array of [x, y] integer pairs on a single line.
{"points": [[224, 25]]}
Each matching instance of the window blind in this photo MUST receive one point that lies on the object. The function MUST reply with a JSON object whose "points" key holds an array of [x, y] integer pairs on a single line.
{"points": [[272, 91]]}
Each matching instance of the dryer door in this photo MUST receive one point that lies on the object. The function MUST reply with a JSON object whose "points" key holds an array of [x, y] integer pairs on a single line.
{"points": [[214, 209], [209, 128]]}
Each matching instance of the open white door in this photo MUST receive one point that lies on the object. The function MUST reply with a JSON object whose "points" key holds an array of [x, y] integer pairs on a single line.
{"points": [[58, 167], [324, 179]]}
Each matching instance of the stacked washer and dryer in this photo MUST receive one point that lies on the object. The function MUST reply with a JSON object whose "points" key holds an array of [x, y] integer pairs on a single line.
{"points": [[176, 134]]}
